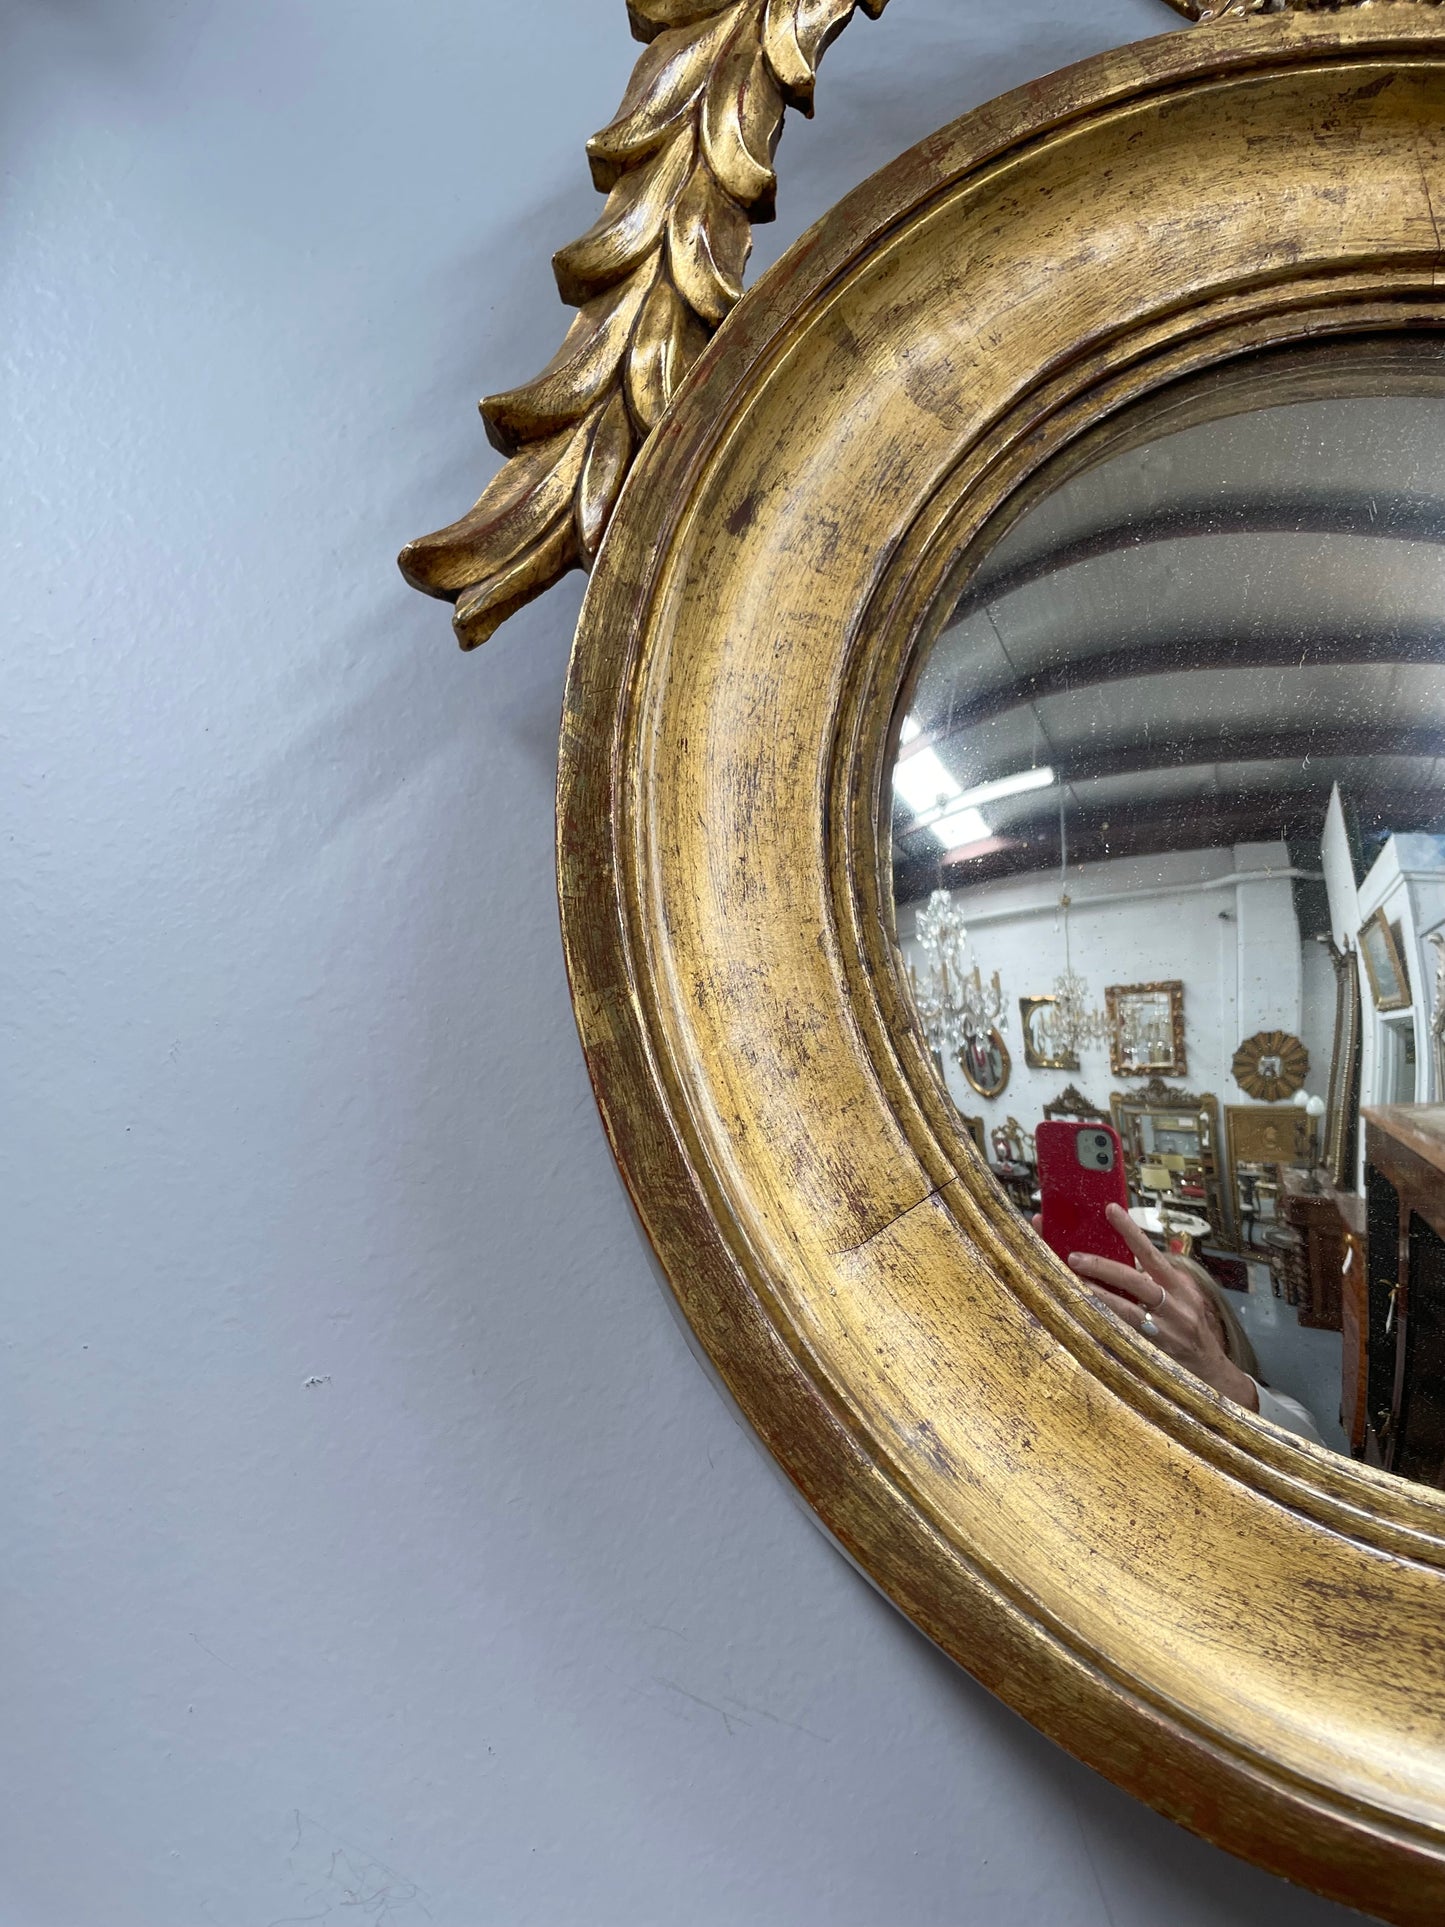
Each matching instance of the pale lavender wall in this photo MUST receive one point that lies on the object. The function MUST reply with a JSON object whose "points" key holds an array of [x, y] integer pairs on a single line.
{"points": [[374, 1548]]}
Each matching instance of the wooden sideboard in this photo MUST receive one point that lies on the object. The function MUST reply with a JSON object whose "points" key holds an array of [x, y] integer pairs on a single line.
{"points": [[1312, 1269], [1354, 1323], [1399, 1327]]}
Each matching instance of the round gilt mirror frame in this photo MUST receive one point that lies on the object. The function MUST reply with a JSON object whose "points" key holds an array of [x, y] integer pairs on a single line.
{"points": [[1277, 1046], [1244, 1631]]}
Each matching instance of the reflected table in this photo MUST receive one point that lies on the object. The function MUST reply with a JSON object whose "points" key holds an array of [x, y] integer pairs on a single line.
{"points": [[1178, 1235]]}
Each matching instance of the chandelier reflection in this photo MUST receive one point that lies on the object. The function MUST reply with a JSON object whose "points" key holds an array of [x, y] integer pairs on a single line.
{"points": [[1069, 1022], [1072, 1023], [954, 1004]]}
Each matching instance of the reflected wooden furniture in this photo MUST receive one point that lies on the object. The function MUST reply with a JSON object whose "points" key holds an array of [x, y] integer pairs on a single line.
{"points": [[1256, 1187], [1354, 1321], [1162, 1125], [1313, 1265], [1011, 1163], [1019, 1181], [1404, 1313]]}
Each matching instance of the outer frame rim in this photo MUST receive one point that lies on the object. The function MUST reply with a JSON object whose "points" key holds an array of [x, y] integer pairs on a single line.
{"points": [[1370, 1842]]}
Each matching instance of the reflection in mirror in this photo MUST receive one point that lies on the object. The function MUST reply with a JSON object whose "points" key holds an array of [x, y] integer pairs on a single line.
{"points": [[1168, 797]]}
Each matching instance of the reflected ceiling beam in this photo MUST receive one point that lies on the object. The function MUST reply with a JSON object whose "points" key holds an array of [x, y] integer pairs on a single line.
{"points": [[1183, 655], [1103, 834], [1204, 748], [1391, 518]]}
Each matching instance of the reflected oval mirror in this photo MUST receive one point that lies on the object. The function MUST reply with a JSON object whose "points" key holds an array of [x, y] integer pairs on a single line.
{"points": [[1168, 851]]}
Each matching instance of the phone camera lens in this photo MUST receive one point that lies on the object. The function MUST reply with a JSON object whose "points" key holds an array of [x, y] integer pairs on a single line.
{"points": [[1102, 1162]]}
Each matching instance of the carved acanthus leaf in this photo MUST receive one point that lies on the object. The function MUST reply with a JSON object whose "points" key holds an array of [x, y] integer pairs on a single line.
{"points": [[687, 166]]}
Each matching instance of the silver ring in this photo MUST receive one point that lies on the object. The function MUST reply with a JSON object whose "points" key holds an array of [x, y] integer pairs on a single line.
{"points": [[1147, 1325]]}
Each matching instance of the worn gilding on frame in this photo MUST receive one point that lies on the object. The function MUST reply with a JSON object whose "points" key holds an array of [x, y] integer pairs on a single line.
{"points": [[687, 167], [1240, 1628]]}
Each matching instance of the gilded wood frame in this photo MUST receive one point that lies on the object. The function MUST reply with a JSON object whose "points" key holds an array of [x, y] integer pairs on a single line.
{"points": [[1114, 997], [1241, 1629], [1383, 997], [1281, 1046], [1005, 1068], [1035, 1055]]}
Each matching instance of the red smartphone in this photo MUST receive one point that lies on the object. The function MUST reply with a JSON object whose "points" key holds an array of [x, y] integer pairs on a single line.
{"points": [[1081, 1169]]}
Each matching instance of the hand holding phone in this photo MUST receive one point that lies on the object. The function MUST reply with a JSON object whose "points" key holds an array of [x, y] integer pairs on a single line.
{"points": [[1081, 1171]]}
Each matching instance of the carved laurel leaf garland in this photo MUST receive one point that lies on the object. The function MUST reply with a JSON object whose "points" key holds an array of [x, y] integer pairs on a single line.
{"points": [[686, 164]]}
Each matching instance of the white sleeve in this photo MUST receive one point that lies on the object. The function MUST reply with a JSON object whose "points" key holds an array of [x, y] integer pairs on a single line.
{"points": [[1288, 1413]]}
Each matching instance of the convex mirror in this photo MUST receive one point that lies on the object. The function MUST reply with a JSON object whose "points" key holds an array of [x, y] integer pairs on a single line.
{"points": [[1007, 699]]}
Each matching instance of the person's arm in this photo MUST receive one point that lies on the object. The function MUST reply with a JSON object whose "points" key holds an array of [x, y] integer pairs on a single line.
{"points": [[1164, 1303], [1287, 1412]]}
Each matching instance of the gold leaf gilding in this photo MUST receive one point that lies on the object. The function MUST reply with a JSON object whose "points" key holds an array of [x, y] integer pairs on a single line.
{"points": [[687, 166]]}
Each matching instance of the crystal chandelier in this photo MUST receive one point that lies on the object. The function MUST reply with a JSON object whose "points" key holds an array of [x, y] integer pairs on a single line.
{"points": [[954, 1004], [1071, 1022]]}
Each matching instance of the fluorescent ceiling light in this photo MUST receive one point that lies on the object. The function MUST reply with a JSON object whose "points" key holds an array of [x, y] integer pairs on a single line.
{"points": [[960, 827], [1027, 779], [931, 792], [908, 729], [923, 782]]}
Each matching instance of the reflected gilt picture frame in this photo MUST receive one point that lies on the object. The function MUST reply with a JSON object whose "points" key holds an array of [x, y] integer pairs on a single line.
{"points": [[1384, 966], [1125, 1002], [1033, 1019]]}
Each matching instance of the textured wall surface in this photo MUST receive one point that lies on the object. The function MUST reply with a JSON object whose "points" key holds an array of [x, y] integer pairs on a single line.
{"points": [[374, 1547]]}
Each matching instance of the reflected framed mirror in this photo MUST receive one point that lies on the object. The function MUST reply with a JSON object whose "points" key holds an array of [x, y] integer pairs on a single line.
{"points": [[1342, 1106], [1047, 1046], [1270, 1065], [1071, 1102], [1146, 1029], [985, 1062], [1176, 1132], [1052, 545]]}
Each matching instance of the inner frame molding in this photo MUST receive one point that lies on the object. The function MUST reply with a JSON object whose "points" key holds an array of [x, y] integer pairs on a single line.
{"points": [[1243, 1630]]}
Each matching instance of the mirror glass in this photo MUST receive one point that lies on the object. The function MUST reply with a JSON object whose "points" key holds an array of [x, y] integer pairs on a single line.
{"points": [[1168, 846]]}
